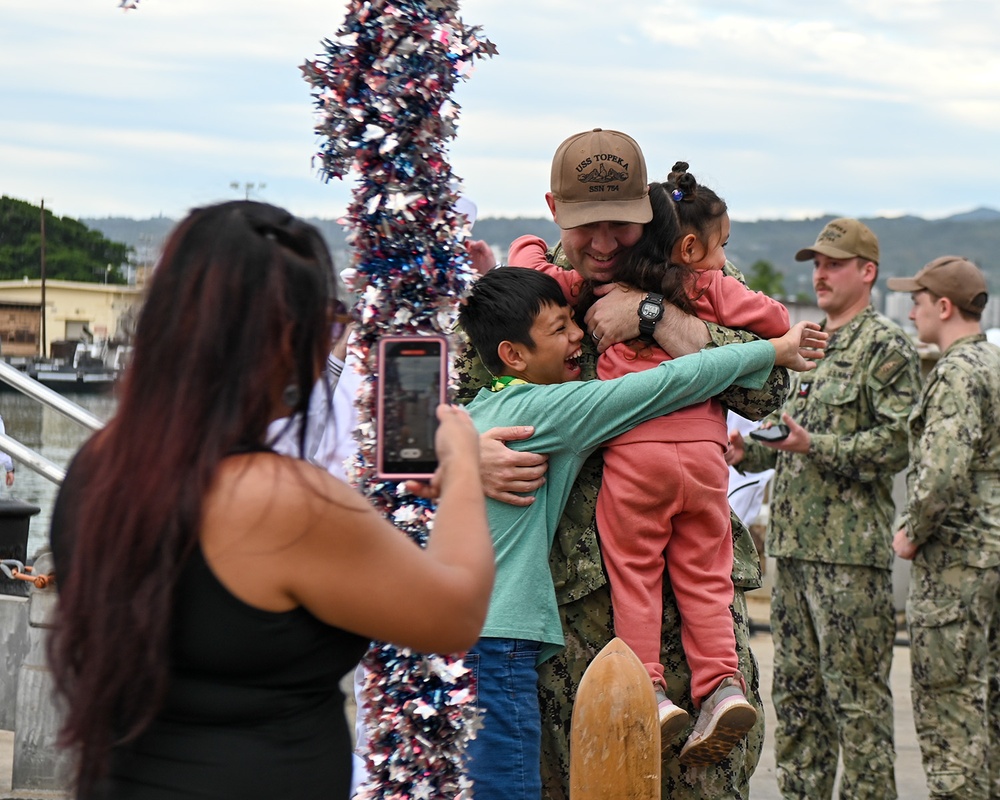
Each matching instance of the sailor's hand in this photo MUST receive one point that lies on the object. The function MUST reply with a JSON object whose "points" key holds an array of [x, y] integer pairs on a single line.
{"points": [[510, 475]]}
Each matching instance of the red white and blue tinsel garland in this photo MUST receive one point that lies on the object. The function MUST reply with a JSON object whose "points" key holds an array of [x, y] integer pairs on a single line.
{"points": [[382, 92]]}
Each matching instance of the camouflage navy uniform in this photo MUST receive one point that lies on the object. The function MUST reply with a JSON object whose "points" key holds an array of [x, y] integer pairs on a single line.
{"points": [[832, 615], [585, 608], [953, 515]]}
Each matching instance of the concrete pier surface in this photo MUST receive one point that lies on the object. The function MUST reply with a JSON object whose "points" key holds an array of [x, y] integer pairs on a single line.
{"points": [[910, 782], [6, 760]]}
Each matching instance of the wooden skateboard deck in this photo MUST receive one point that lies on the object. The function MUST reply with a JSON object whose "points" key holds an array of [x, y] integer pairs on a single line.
{"points": [[615, 737]]}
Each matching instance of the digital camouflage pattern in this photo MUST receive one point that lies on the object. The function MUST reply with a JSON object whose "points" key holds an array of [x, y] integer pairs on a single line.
{"points": [[953, 481], [834, 503], [953, 514], [589, 626], [833, 626], [952, 616], [832, 615], [585, 604], [994, 708]]}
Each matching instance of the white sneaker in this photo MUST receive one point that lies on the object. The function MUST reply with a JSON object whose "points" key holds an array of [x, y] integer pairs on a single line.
{"points": [[673, 719]]}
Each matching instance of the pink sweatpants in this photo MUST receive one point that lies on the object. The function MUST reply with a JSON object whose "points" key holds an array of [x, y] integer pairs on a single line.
{"points": [[668, 501]]}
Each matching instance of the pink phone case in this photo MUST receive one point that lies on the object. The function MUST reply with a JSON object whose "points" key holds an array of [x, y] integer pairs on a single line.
{"points": [[412, 382]]}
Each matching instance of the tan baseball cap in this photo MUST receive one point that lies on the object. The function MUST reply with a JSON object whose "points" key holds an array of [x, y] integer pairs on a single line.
{"points": [[953, 277], [600, 176], [843, 238]]}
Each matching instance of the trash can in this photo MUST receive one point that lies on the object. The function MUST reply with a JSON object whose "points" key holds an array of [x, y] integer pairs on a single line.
{"points": [[14, 518]]}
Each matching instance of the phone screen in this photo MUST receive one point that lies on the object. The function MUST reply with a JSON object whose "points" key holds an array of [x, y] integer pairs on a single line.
{"points": [[773, 434], [412, 377]]}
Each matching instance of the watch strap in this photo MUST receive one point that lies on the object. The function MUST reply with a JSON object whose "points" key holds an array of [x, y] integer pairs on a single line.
{"points": [[648, 326]]}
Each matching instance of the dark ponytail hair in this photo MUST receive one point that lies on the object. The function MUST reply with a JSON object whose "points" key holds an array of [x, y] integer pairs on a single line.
{"points": [[680, 206], [237, 304], [647, 265], [698, 207]]}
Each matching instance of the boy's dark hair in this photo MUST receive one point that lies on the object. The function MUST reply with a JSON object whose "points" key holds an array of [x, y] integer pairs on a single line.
{"points": [[503, 306]]}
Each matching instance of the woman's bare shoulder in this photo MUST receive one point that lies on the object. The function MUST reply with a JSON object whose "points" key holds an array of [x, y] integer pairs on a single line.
{"points": [[263, 518], [254, 491]]}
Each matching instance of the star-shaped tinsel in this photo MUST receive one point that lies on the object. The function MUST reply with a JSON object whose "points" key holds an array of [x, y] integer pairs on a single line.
{"points": [[382, 92]]}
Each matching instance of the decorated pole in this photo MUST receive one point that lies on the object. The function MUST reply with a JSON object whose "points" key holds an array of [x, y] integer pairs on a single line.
{"points": [[382, 91]]}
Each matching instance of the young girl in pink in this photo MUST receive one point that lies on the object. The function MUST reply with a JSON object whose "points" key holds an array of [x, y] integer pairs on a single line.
{"points": [[663, 500]]}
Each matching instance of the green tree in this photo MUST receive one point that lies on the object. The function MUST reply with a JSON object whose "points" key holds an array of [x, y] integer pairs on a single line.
{"points": [[763, 277], [73, 252]]}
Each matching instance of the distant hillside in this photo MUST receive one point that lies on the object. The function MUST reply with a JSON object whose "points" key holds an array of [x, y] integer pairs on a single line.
{"points": [[977, 215], [72, 251], [907, 243], [146, 236]]}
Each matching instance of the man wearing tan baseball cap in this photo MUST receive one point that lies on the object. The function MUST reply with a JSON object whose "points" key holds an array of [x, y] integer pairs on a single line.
{"points": [[951, 277], [599, 197], [949, 529], [831, 530], [843, 238]]}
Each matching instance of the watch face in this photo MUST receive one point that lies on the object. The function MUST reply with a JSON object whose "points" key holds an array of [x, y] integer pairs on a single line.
{"points": [[649, 310]]}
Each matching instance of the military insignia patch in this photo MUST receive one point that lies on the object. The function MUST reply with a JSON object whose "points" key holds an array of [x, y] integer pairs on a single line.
{"points": [[887, 369]]}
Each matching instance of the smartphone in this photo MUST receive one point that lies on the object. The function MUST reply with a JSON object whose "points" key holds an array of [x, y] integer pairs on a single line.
{"points": [[412, 382], [773, 434]]}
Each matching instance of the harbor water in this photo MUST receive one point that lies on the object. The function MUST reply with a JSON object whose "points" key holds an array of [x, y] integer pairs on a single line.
{"points": [[52, 435]]}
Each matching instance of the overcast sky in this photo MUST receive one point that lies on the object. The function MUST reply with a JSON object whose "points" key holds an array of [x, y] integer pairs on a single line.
{"points": [[787, 108]]}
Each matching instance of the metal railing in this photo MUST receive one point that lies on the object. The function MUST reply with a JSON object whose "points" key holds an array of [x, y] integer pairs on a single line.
{"points": [[46, 396]]}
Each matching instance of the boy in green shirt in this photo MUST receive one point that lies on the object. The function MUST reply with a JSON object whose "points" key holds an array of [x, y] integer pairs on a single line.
{"points": [[524, 332]]}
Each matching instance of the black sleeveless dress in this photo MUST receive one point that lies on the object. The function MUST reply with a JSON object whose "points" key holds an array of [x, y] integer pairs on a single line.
{"points": [[254, 709]]}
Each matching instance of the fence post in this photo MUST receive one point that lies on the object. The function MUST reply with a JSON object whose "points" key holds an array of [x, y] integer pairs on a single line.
{"points": [[41, 770]]}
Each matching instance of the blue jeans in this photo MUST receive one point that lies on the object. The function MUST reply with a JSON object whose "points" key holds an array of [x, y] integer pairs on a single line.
{"points": [[504, 757]]}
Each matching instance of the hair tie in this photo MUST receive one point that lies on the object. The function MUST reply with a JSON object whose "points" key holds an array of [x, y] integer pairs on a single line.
{"points": [[677, 194]]}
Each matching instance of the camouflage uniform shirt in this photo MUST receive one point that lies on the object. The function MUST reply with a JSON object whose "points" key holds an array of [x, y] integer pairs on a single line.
{"points": [[834, 503], [953, 482]]}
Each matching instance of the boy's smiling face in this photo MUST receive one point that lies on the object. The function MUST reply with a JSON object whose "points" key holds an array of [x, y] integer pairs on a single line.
{"points": [[557, 339]]}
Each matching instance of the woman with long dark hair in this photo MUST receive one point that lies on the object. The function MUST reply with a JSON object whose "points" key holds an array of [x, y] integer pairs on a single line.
{"points": [[212, 593]]}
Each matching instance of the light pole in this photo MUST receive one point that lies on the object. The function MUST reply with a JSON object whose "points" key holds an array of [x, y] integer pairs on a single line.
{"points": [[42, 351], [246, 188]]}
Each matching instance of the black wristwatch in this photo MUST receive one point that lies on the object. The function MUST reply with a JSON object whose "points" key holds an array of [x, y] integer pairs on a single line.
{"points": [[650, 312]]}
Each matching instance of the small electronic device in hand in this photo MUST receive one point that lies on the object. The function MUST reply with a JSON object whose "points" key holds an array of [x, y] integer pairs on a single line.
{"points": [[412, 382], [773, 434]]}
